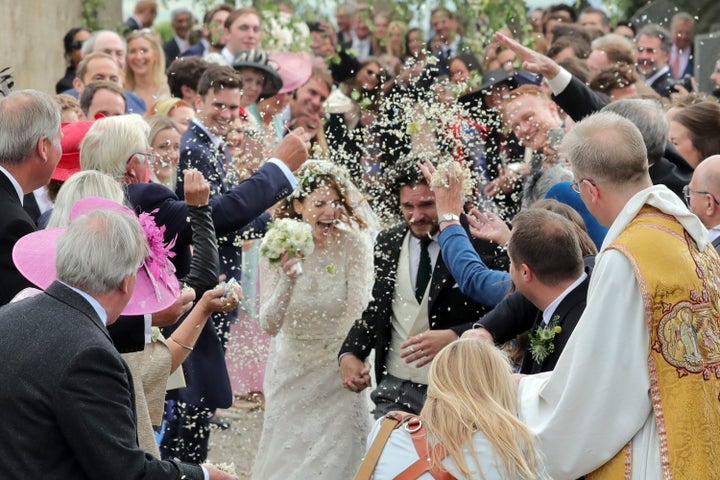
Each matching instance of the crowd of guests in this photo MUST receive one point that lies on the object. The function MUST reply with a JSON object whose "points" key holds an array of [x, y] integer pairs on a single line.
{"points": [[556, 207]]}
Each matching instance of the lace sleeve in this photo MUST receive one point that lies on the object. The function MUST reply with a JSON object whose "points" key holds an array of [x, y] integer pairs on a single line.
{"points": [[275, 291], [361, 273]]}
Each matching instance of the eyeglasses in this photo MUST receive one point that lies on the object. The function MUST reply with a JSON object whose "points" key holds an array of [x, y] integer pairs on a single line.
{"points": [[575, 184], [143, 157], [688, 192], [76, 44]]}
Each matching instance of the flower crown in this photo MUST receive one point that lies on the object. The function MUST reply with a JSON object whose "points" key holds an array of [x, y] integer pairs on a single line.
{"points": [[314, 169]]}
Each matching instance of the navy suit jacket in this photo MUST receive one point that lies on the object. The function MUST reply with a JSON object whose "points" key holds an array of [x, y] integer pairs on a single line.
{"points": [[172, 51], [516, 314], [66, 396], [664, 84], [447, 306], [14, 224], [234, 206]]}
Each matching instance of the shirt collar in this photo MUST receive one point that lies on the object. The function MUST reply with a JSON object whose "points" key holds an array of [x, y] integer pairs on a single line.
{"points": [[15, 184], [657, 75], [215, 140], [91, 300], [550, 310]]}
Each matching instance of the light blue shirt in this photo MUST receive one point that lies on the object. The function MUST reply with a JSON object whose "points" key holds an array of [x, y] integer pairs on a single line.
{"points": [[91, 300]]}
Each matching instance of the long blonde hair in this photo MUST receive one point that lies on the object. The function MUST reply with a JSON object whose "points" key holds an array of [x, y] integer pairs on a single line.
{"points": [[158, 69], [471, 389]]}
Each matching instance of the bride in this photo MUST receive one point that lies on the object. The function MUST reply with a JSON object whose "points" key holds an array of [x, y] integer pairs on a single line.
{"points": [[313, 428]]}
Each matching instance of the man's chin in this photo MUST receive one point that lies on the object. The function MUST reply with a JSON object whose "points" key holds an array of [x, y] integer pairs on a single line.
{"points": [[421, 231]]}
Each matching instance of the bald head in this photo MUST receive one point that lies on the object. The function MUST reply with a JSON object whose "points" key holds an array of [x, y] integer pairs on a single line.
{"points": [[108, 42], [704, 191]]}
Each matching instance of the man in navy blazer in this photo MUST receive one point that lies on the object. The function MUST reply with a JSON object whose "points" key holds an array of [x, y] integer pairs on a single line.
{"points": [[548, 271], [66, 394], [29, 151]]}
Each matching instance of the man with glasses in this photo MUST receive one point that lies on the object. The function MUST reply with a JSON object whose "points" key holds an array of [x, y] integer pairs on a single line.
{"points": [[701, 195], [634, 393]]}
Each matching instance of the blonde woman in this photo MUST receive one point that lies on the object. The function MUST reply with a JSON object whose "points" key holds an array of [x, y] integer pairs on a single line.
{"points": [[471, 410], [145, 66]]}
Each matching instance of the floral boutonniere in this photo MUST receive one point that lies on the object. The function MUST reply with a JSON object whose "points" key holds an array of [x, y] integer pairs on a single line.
{"points": [[542, 342]]}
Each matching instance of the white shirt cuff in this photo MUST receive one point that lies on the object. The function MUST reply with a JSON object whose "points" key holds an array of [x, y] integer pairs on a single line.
{"points": [[148, 327], [560, 81], [288, 174], [206, 474]]}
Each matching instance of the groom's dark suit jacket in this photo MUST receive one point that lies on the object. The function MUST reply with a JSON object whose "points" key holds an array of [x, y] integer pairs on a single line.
{"points": [[14, 224], [447, 306], [66, 396], [515, 315]]}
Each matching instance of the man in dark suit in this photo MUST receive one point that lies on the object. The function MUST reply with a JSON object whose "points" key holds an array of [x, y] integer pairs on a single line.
{"points": [[548, 271], [29, 151], [143, 16], [682, 30], [74, 417], [667, 166], [653, 45], [181, 20], [413, 292], [702, 195]]}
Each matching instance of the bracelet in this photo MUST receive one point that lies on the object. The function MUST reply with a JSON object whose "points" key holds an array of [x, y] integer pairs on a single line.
{"points": [[182, 345]]}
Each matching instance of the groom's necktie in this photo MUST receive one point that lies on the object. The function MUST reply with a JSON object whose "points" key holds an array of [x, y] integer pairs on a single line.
{"points": [[424, 271]]}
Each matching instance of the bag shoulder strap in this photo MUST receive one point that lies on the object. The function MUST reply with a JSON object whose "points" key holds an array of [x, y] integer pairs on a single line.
{"points": [[424, 463], [391, 421]]}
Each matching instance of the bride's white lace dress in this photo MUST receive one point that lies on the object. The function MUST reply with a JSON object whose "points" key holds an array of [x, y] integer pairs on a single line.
{"points": [[313, 428]]}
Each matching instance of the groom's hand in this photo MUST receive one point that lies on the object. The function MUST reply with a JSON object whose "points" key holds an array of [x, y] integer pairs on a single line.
{"points": [[355, 374]]}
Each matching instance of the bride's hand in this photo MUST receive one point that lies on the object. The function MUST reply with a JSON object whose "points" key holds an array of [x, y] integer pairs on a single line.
{"points": [[288, 265]]}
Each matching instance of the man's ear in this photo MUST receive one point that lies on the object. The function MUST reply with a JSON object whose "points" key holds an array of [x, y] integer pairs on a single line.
{"points": [[126, 286], [526, 273], [78, 85]]}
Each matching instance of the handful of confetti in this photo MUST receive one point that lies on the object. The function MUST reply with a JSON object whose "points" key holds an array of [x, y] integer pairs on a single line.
{"points": [[231, 288], [440, 176], [286, 235]]}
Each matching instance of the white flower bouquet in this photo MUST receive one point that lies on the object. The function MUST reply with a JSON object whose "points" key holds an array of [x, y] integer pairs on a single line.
{"points": [[286, 235]]}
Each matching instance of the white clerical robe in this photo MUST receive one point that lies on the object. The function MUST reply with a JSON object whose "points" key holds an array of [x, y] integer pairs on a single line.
{"points": [[598, 397]]}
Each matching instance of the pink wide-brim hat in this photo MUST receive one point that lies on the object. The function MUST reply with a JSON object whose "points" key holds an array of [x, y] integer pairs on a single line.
{"points": [[294, 68], [34, 256]]}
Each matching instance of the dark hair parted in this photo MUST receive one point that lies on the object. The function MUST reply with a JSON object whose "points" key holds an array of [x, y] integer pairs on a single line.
{"points": [[217, 77], [547, 243]]}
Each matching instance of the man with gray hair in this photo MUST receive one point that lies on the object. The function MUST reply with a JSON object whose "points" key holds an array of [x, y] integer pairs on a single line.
{"points": [[75, 417], [634, 393], [29, 151], [181, 20], [653, 46]]}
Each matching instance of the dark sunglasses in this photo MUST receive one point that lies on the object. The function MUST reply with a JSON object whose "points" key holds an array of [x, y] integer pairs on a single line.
{"points": [[76, 44]]}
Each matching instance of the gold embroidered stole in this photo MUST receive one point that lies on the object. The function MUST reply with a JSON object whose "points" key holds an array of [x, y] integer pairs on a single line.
{"points": [[680, 287]]}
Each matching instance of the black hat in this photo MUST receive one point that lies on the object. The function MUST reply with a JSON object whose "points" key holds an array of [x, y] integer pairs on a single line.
{"points": [[495, 77], [258, 60]]}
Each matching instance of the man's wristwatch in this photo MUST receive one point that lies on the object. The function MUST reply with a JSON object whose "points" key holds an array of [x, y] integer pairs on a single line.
{"points": [[448, 217]]}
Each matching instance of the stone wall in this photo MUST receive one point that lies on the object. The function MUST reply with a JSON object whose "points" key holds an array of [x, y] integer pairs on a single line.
{"points": [[31, 33]]}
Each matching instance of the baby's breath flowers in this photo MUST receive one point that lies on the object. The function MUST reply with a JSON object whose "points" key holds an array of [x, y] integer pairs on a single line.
{"points": [[440, 176]]}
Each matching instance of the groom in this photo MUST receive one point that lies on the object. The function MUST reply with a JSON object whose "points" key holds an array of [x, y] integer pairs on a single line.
{"points": [[408, 303]]}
